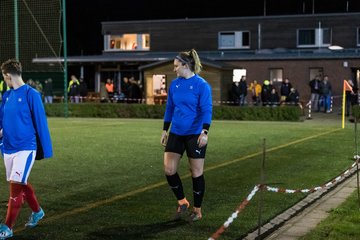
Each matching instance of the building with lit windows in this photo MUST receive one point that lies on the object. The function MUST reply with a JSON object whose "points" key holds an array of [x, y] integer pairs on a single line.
{"points": [[297, 47]]}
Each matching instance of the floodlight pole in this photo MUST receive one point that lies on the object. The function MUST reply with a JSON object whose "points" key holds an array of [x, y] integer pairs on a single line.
{"points": [[261, 187], [16, 26], [65, 59]]}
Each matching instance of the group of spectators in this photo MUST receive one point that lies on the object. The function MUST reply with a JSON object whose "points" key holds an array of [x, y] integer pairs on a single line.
{"points": [[265, 94], [321, 91], [283, 93], [130, 91], [77, 89]]}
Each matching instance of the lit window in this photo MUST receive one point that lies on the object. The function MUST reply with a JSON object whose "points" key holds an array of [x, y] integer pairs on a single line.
{"points": [[237, 74], [112, 44], [127, 42]]}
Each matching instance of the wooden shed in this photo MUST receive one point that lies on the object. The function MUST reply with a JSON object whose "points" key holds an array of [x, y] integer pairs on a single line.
{"points": [[158, 76]]}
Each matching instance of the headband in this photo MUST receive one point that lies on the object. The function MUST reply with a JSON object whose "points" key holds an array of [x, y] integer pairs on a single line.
{"points": [[178, 57]]}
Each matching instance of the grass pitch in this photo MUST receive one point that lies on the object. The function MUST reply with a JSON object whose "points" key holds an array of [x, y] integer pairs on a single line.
{"points": [[106, 178]]}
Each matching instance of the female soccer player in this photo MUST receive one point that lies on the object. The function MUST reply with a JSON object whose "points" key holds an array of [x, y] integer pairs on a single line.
{"points": [[189, 111], [22, 119]]}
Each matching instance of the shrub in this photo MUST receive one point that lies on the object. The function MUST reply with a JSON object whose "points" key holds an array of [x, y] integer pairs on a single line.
{"points": [[120, 110], [356, 111]]}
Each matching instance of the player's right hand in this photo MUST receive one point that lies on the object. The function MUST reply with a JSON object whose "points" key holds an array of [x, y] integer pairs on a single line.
{"points": [[164, 137]]}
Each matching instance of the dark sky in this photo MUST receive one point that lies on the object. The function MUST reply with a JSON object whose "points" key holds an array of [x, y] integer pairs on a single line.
{"points": [[84, 17]]}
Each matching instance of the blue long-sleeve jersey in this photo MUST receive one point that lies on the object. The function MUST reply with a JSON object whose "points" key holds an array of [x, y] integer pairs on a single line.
{"points": [[22, 114], [189, 105]]}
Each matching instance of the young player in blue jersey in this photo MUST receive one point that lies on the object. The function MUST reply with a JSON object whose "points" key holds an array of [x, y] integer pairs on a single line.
{"points": [[189, 112], [22, 119]]}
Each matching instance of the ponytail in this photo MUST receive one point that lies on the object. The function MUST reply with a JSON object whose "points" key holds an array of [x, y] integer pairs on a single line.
{"points": [[191, 58], [197, 64]]}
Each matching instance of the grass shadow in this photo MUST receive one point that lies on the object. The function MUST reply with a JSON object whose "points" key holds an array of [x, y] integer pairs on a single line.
{"points": [[137, 232]]}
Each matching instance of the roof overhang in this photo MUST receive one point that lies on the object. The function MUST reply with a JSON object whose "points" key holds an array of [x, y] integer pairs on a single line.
{"points": [[213, 58]]}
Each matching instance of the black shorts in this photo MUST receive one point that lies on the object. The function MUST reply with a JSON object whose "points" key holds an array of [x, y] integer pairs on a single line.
{"points": [[178, 144]]}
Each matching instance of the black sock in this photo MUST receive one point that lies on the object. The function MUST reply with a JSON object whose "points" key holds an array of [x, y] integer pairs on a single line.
{"points": [[176, 185], [198, 190]]}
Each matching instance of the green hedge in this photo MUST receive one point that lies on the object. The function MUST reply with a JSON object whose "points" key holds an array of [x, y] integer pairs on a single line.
{"points": [[356, 111], [120, 110]]}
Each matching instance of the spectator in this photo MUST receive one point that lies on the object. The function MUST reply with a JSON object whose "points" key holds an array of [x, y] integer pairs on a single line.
{"points": [[355, 95], [31, 83], [134, 91], [274, 99], [39, 86], [83, 90], [48, 91], [315, 93], [3, 88], [349, 95], [125, 87], [325, 91], [73, 89], [265, 92], [293, 97], [235, 93], [255, 89], [285, 89], [243, 90], [109, 88]]}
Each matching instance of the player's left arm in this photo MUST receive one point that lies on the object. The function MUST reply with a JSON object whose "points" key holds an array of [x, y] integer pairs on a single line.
{"points": [[2, 112], [205, 103], [40, 122], [1, 117]]}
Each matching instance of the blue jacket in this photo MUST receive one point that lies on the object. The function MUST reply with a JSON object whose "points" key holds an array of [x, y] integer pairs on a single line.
{"points": [[189, 105], [22, 117]]}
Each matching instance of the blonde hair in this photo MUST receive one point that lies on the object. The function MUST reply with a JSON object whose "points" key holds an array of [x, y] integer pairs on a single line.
{"points": [[191, 58]]}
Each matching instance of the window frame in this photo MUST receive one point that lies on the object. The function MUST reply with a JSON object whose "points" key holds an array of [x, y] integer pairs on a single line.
{"points": [[277, 69], [238, 39], [318, 37], [140, 42]]}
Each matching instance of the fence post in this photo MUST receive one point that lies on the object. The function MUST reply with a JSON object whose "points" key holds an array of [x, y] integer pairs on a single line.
{"points": [[331, 103], [261, 188], [357, 158], [309, 113]]}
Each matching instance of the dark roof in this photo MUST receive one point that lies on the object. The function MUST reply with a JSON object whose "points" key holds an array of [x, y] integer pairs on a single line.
{"points": [[204, 61], [282, 54], [211, 57], [209, 19], [112, 57]]}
